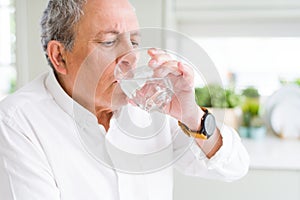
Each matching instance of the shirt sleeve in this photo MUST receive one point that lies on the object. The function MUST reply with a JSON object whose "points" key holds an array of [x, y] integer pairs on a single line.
{"points": [[24, 171], [231, 162]]}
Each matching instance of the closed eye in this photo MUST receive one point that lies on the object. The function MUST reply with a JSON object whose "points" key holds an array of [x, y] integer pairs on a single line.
{"points": [[135, 44], [108, 43]]}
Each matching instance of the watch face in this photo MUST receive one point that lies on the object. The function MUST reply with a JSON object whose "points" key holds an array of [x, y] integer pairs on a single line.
{"points": [[210, 124]]}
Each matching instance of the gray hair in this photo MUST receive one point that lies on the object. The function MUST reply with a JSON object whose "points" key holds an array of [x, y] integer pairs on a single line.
{"points": [[58, 23]]}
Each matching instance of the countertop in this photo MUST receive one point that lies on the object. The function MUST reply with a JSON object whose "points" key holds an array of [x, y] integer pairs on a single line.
{"points": [[273, 153]]}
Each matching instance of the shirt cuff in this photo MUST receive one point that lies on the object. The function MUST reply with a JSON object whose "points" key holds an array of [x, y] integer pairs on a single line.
{"points": [[222, 156]]}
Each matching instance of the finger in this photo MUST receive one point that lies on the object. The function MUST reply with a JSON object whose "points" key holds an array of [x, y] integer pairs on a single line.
{"points": [[159, 59], [166, 72], [154, 51], [185, 69], [170, 67], [187, 72]]}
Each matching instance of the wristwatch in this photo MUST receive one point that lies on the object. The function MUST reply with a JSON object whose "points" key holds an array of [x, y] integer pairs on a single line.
{"points": [[208, 126]]}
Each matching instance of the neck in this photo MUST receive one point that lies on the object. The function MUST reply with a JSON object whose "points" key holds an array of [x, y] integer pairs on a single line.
{"points": [[104, 117], [103, 114]]}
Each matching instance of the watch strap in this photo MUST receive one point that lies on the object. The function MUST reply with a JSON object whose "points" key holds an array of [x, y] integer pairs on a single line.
{"points": [[201, 134], [190, 133]]}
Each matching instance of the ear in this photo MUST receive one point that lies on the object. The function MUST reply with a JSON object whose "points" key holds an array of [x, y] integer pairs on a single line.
{"points": [[56, 54]]}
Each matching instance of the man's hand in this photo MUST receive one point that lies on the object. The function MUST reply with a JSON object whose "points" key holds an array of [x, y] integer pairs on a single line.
{"points": [[183, 106]]}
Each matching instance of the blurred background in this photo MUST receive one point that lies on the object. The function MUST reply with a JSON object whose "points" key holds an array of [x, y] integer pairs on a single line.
{"points": [[255, 45]]}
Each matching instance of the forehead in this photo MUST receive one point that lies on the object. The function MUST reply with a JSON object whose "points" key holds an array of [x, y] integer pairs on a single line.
{"points": [[108, 14]]}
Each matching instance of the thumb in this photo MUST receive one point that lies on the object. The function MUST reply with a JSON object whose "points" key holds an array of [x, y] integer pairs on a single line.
{"points": [[187, 73]]}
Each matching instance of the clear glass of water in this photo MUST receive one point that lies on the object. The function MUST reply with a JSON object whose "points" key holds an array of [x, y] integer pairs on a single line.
{"points": [[138, 82]]}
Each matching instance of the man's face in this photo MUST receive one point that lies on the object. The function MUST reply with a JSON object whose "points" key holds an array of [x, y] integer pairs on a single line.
{"points": [[106, 31]]}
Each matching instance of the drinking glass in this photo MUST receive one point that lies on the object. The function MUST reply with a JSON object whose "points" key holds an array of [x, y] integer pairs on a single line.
{"points": [[138, 81]]}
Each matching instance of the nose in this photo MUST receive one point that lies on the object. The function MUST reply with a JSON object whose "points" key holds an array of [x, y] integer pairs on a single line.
{"points": [[126, 62], [128, 57], [126, 53]]}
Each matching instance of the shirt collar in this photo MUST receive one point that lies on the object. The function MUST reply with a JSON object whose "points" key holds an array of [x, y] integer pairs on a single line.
{"points": [[80, 114]]}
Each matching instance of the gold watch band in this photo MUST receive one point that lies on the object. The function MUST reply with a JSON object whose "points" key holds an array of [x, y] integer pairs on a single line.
{"points": [[191, 133]]}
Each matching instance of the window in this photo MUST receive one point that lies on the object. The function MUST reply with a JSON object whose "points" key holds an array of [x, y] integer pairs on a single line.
{"points": [[7, 47], [262, 62], [252, 43]]}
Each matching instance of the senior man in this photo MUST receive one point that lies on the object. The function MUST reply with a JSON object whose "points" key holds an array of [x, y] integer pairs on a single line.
{"points": [[41, 153]]}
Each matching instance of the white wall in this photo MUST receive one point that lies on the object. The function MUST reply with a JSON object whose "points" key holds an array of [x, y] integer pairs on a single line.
{"points": [[149, 15], [30, 58]]}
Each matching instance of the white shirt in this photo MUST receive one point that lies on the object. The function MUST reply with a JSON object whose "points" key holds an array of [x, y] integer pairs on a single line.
{"points": [[51, 148]]}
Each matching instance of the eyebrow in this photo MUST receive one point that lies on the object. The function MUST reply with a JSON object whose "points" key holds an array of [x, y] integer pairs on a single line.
{"points": [[101, 33], [135, 33], [114, 32]]}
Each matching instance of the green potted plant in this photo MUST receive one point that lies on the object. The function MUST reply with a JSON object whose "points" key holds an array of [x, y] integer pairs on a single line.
{"points": [[221, 102], [257, 128], [297, 81], [252, 124]]}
